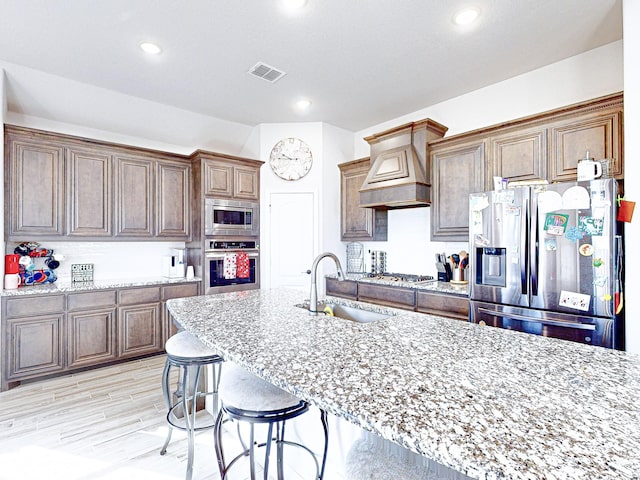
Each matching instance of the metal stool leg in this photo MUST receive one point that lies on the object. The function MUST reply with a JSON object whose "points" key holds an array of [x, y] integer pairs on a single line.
{"points": [[268, 451], [325, 427], [189, 393], [217, 432], [280, 447], [167, 400]]}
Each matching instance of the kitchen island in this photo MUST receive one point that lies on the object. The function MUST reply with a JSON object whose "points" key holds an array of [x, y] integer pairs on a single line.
{"points": [[487, 402]]}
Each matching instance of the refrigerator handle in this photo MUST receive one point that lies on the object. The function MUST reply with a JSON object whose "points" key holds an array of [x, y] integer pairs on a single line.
{"points": [[524, 241], [544, 321], [535, 246]]}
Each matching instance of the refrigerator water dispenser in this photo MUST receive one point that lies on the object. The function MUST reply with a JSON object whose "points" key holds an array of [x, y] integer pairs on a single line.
{"points": [[493, 266]]}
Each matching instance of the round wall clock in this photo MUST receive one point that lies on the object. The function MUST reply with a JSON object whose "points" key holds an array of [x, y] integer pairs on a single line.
{"points": [[290, 159]]}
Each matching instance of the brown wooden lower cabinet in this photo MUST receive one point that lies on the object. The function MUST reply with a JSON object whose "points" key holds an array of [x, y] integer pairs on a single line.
{"points": [[35, 346], [139, 330], [443, 305], [51, 334], [344, 288], [175, 291], [435, 303], [91, 337], [392, 296]]}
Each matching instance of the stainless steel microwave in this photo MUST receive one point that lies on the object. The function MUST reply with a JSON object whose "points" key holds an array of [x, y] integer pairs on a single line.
{"points": [[231, 217]]}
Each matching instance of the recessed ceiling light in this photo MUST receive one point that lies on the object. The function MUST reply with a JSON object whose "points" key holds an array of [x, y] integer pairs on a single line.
{"points": [[293, 4], [466, 16], [150, 48], [303, 104]]}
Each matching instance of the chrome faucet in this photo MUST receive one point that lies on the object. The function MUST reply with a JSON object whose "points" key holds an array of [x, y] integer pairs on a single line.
{"points": [[313, 299]]}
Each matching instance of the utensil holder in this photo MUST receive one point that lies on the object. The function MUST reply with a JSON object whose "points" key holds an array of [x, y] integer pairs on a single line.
{"points": [[459, 275]]}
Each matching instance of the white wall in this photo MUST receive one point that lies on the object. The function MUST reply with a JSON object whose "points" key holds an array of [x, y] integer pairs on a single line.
{"points": [[329, 146], [107, 115], [270, 134], [592, 74], [631, 12]]}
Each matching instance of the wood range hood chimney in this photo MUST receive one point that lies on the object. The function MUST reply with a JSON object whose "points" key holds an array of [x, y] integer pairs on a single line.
{"points": [[400, 176]]}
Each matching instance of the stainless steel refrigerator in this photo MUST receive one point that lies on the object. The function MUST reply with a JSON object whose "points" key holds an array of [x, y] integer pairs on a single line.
{"points": [[547, 260]]}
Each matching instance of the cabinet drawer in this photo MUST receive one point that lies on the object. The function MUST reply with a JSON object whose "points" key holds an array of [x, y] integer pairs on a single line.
{"points": [[178, 291], [345, 288], [34, 305], [443, 305], [90, 300], [133, 296], [392, 296]]}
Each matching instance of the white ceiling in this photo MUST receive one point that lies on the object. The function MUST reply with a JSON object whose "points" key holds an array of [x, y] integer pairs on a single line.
{"points": [[361, 62]]}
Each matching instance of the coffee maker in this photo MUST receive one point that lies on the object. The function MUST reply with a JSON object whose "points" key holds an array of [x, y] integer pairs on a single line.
{"points": [[173, 265]]}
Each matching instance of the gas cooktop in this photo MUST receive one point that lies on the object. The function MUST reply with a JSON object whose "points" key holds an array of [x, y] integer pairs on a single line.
{"points": [[401, 277]]}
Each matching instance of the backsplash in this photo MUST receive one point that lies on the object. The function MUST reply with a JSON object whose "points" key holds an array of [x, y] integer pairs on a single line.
{"points": [[111, 260], [408, 247]]}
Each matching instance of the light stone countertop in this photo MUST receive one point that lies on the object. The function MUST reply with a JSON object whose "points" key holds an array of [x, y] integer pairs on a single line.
{"points": [[68, 287], [488, 402]]}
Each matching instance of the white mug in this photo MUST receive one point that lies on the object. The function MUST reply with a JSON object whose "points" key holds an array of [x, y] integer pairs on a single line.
{"points": [[190, 273], [588, 170], [12, 281]]}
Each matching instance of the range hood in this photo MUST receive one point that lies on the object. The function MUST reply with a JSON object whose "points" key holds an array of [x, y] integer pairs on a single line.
{"points": [[399, 176]]}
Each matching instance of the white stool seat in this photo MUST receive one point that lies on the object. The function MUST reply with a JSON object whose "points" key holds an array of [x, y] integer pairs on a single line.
{"points": [[190, 355], [245, 397], [185, 345], [242, 390]]}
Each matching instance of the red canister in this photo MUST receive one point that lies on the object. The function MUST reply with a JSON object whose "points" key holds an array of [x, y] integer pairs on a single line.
{"points": [[11, 263]]}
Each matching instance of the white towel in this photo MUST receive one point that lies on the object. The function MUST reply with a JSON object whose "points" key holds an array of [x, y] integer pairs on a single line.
{"points": [[230, 266]]}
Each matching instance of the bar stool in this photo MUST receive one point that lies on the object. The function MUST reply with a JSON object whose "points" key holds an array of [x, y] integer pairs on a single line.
{"points": [[189, 354], [245, 397], [373, 458]]}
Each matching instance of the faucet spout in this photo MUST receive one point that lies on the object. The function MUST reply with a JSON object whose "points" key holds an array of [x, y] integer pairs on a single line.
{"points": [[313, 299]]}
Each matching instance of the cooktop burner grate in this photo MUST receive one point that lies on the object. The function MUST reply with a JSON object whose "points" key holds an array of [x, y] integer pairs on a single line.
{"points": [[401, 277]]}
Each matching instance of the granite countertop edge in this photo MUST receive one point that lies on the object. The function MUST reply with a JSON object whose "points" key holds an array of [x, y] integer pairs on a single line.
{"points": [[68, 287]]}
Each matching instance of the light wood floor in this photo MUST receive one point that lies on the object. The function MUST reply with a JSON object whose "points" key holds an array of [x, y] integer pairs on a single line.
{"points": [[109, 423]]}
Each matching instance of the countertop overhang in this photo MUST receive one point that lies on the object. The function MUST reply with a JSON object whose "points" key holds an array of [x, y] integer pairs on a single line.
{"points": [[488, 402]]}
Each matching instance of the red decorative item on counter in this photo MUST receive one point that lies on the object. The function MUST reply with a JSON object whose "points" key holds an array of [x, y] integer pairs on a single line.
{"points": [[11, 263]]}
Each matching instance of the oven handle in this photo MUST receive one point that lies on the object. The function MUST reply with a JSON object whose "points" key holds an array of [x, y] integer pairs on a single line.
{"points": [[219, 255], [580, 326]]}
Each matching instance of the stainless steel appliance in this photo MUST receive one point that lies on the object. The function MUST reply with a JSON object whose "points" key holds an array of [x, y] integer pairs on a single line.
{"points": [[221, 252], [548, 260], [231, 217]]}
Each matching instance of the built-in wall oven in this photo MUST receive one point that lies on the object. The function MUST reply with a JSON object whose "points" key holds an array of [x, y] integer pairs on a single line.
{"points": [[231, 265], [231, 217]]}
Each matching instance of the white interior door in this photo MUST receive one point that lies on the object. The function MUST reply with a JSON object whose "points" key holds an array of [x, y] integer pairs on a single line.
{"points": [[292, 235]]}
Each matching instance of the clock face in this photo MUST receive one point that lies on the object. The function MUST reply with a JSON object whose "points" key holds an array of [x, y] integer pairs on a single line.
{"points": [[291, 159]]}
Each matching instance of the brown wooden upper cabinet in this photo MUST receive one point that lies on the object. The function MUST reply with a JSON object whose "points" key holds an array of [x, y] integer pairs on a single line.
{"points": [[173, 217], [546, 146], [36, 193], [356, 222], [134, 196], [599, 131], [458, 170], [60, 185], [519, 155], [227, 179], [89, 193]]}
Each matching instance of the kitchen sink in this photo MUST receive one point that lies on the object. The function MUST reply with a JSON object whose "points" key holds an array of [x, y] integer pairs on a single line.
{"points": [[354, 314]]}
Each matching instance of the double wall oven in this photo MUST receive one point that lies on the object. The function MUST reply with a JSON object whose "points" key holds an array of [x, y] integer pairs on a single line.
{"points": [[231, 253]]}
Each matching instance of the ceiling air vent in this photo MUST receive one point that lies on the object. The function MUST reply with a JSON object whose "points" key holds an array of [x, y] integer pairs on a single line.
{"points": [[266, 72]]}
